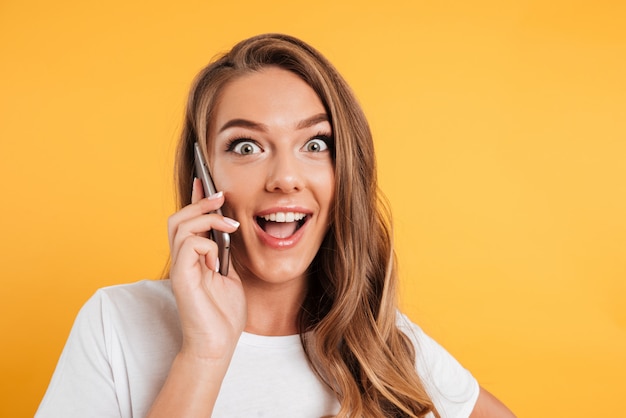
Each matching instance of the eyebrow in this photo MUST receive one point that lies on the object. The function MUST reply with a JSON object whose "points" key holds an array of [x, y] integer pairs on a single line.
{"points": [[244, 123], [312, 121]]}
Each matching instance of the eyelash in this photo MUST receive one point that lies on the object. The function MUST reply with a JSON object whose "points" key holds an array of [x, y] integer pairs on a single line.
{"points": [[232, 143], [326, 138]]}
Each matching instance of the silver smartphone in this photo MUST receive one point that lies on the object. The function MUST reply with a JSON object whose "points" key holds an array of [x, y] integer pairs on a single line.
{"points": [[221, 238]]}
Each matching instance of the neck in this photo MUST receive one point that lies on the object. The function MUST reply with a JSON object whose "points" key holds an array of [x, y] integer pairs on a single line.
{"points": [[273, 308]]}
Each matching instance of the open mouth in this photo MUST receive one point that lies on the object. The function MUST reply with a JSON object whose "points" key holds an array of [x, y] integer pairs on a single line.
{"points": [[282, 224]]}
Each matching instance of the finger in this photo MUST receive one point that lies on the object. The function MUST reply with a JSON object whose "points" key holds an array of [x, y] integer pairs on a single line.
{"points": [[196, 252], [197, 192], [198, 208], [200, 226], [193, 210]]}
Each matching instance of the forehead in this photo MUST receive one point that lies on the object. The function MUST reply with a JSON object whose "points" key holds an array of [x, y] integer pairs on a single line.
{"points": [[272, 96]]}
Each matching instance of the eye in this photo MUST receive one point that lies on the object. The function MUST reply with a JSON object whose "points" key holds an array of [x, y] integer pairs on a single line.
{"points": [[317, 144], [244, 147]]}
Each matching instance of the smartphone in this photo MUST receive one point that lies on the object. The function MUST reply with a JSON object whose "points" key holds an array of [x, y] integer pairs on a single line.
{"points": [[221, 238]]}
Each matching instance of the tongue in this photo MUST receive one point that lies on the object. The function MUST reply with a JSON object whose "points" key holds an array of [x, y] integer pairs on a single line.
{"points": [[280, 229]]}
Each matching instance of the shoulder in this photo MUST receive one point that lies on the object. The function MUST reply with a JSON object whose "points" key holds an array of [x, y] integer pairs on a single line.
{"points": [[118, 352], [423, 344], [452, 388], [138, 292], [143, 297], [131, 309]]}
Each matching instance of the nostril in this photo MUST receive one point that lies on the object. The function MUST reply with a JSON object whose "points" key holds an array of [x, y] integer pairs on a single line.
{"points": [[285, 180]]}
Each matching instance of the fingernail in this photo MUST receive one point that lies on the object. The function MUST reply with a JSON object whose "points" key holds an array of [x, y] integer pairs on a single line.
{"points": [[231, 222], [215, 196], [217, 265]]}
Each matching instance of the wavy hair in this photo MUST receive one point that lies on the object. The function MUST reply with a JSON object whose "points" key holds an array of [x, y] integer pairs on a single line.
{"points": [[348, 318]]}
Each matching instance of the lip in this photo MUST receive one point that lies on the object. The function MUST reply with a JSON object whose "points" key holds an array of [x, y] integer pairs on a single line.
{"points": [[281, 243]]}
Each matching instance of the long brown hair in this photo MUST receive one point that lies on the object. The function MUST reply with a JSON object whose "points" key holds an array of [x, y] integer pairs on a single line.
{"points": [[348, 319]]}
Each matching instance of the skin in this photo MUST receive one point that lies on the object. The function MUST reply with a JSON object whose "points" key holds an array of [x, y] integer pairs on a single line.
{"points": [[268, 148], [488, 406], [289, 169], [278, 162]]}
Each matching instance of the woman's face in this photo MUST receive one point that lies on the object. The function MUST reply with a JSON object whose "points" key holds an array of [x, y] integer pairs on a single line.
{"points": [[270, 149]]}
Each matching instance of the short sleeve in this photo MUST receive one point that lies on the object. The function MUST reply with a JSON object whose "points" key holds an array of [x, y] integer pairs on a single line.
{"points": [[451, 387], [82, 384]]}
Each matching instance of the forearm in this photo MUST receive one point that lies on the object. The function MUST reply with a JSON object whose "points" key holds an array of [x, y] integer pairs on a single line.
{"points": [[190, 389]]}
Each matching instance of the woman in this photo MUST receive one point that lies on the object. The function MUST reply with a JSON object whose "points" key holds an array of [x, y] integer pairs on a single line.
{"points": [[305, 323]]}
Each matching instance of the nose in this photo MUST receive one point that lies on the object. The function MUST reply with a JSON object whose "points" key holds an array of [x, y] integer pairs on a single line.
{"points": [[284, 175]]}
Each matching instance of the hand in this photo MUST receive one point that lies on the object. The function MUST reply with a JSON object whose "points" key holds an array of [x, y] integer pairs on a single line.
{"points": [[211, 307]]}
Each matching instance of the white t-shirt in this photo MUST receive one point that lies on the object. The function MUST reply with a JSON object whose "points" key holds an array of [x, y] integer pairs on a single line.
{"points": [[125, 338]]}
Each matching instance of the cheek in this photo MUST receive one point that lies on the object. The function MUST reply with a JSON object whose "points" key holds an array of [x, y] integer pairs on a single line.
{"points": [[228, 179], [325, 185], [324, 191], [238, 188]]}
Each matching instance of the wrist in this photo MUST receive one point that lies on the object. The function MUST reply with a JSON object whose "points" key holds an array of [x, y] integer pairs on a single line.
{"points": [[205, 353], [191, 387], [200, 364]]}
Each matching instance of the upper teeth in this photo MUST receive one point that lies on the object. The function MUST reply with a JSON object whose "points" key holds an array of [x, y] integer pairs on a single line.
{"points": [[284, 216]]}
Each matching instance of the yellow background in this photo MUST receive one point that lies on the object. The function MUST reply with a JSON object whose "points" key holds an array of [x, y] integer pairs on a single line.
{"points": [[501, 135]]}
